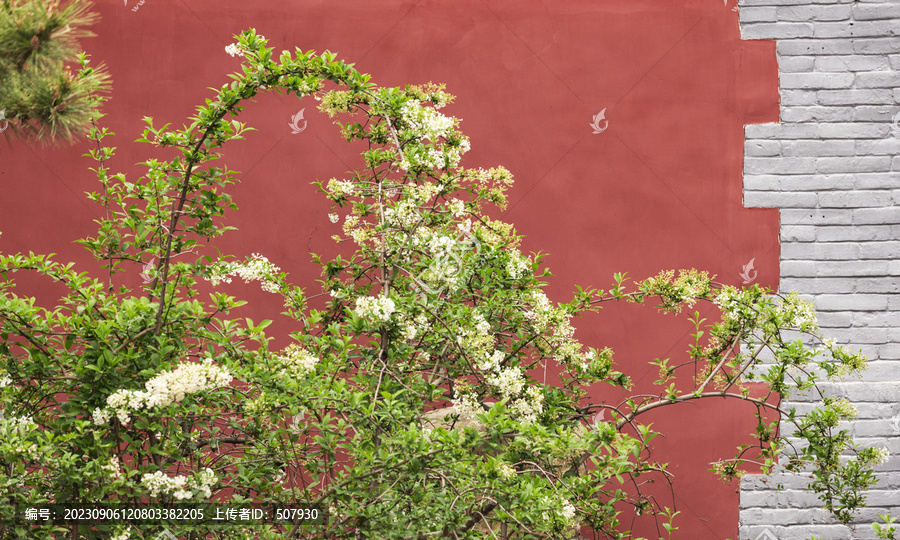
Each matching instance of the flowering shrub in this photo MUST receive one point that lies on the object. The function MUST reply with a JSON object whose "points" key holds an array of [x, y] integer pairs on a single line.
{"points": [[409, 406]]}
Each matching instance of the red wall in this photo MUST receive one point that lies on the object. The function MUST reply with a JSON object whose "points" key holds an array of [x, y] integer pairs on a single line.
{"points": [[660, 188]]}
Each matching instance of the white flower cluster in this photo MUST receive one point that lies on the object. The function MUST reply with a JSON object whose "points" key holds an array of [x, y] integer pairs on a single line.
{"points": [[376, 310], [404, 215], [113, 467], [341, 188], [234, 50], [505, 471], [5, 381], [478, 342], [258, 268], [124, 534], [529, 406], [466, 405], [556, 322], [429, 123], [180, 487], [164, 389], [567, 511], [517, 266], [457, 207], [333, 218], [297, 361]]}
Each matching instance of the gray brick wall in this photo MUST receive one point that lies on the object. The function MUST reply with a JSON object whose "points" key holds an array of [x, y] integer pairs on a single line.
{"points": [[832, 165]]}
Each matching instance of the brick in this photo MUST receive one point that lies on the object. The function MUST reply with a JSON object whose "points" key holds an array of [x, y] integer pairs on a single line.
{"points": [[813, 13], [828, 165], [853, 130], [875, 180], [887, 146], [848, 269], [855, 97], [792, 165], [857, 233], [846, 29], [851, 302], [757, 14], [852, 63], [874, 113], [854, 199], [816, 80], [797, 64], [877, 319], [895, 61], [876, 12], [780, 131], [876, 216], [818, 217], [797, 97], [820, 252], [763, 147], [819, 286], [877, 79], [799, 234], [806, 47], [778, 199], [798, 269], [880, 250], [777, 30], [878, 285], [834, 319], [818, 114], [873, 335], [876, 46]]}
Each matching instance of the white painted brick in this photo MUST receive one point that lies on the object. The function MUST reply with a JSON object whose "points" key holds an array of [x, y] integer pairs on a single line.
{"points": [[798, 269], [876, 216], [820, 252], [796, 64], [799, 234], [776, 30], [895, 61], [857, 335], [852, 63], [806, 47], [816, 80], [780, 131], [874, 113], [817, 217], [853, 130], [880, 250], [876, 180], [832, 319], [876, 46], [792, 165], [856, 233], [819, 286], [854, 199], [763, 147], [849, 269], [798, 97], [752, 14], [778, 199], [877, 319], [818, 114], [887, 10], [830, 165], [888, 146], [813, 13], [855, 97], [877, 79], [847, 29]]}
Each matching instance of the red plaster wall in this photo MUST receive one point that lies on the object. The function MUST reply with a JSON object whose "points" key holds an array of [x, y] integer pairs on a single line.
{"points": [[660, 188]]}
